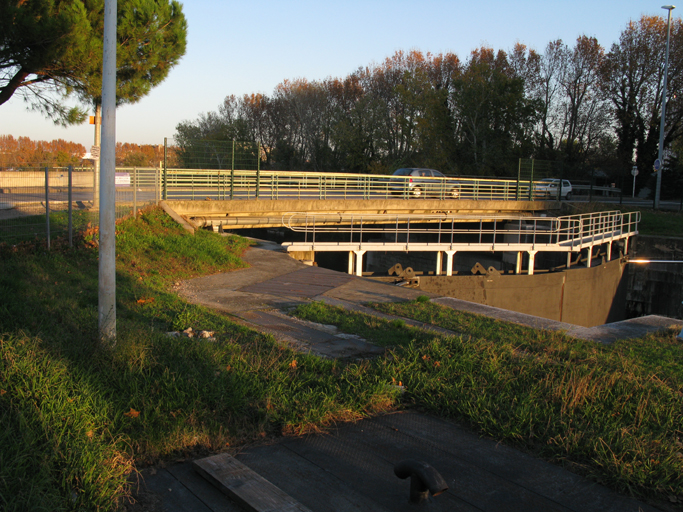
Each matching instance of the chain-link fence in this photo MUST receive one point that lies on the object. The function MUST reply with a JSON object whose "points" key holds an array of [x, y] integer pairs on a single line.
{"points": [[215, 154], [48, 202]]}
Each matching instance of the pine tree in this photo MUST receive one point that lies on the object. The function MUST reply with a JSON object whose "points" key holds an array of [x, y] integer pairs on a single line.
{"points": [[52, 49]]}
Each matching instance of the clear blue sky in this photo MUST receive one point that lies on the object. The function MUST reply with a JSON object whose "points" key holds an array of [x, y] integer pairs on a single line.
{"points": [[248, 47]]}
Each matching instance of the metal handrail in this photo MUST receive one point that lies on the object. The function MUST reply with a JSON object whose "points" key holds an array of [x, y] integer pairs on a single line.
{"points": [[572, 231], [225, 184], [249, 184]]}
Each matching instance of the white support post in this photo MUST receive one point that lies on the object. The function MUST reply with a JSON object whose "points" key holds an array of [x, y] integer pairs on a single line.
{"points": [[518, 265], [589, 256], [359, 263], [532, 257], [439, 262], [449, 262], [626, 246], [609, 251], [569, 259], [350, 262]]}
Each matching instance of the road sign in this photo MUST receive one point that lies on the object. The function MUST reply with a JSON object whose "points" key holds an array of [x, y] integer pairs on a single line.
{"points": [[634, 171], [95, 151], [122, 179], [658, 164]]}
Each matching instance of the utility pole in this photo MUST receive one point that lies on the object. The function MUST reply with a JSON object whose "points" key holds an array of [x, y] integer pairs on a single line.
{"points": [[107, 249], [660, 154]]}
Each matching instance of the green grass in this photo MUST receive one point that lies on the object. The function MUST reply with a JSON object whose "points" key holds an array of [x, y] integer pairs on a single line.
{"points": [[653, 222], [613, 413], [77, 417], [32, 227], [661, 223]]}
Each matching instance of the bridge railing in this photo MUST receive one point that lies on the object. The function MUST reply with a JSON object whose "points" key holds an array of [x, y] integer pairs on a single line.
{"points": [[229, 184], [570, 232]]}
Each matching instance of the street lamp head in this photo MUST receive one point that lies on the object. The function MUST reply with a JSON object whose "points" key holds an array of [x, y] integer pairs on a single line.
{"points": [[668, 7]]}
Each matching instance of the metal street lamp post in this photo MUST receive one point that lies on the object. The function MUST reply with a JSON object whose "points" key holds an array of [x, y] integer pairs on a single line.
{"points": [[661, 124], [107, 251]]}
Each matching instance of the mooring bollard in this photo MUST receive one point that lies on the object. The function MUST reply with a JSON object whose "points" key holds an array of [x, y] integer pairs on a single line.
{"points": [[424, 479]]}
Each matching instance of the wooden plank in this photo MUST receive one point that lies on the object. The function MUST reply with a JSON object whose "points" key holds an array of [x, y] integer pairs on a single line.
{"points": [[244, 486], [496, 465], [211, 497], [315, 487], [175, 497], [344, 457]]}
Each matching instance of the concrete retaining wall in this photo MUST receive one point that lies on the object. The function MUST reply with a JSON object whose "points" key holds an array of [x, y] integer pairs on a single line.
{"points": [[580, 296]]}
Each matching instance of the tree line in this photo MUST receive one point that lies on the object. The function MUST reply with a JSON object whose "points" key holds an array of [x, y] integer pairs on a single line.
{"points": [[23, 152], [580, 105]]}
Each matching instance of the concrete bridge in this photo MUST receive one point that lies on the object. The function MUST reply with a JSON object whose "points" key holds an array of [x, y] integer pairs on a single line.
{"points": [[269, 213]]}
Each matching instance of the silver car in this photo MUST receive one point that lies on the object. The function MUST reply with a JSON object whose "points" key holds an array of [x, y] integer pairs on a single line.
{"points": [[548, 188], [418, 182]]}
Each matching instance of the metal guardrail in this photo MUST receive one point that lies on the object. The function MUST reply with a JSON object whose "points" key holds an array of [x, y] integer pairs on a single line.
{"points": [[192, 184], [568, 233], [37, 191]]}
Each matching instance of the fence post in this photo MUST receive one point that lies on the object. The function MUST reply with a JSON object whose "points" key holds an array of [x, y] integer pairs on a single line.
{"points": [[531, 182], [70, 199], [232, 170], [135, 192], [47, 206], [165, 193], [258, 171]]}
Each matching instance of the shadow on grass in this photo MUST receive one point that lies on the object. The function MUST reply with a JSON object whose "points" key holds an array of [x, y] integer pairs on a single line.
{"points": [[150, 397]]}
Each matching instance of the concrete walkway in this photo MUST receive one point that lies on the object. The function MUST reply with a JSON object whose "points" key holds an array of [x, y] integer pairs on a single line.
{"points": [[274, 281], [350, 468]]}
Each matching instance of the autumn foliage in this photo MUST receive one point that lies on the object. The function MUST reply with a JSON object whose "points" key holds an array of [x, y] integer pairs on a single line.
{"points": [[23, 152], [586, 105]]}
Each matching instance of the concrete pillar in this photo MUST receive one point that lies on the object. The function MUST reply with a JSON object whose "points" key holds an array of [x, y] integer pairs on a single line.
{"points": [[609, 251], [350, 262], [532, 257], [439, 262], [589, 256], [569, 259], [518, 265], [359, 263], [626, 246], [449, 262]]}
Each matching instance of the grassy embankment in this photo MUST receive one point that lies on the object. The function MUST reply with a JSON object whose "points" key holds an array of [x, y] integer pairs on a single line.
{"points": [[76, 417], [661, 223], [613, 413], [653, 222]]}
